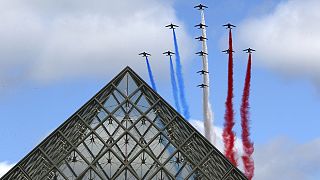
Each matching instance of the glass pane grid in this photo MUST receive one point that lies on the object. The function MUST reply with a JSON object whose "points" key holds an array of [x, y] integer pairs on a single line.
{"points": [[125, 132]]}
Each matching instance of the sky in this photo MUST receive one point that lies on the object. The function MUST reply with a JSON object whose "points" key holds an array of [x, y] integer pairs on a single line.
{"points": [[55, 55]]}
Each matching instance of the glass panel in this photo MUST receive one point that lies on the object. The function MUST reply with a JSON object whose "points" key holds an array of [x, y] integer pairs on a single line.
{"points": [[76, 163], [161, 148], [127, 85], [132, 85], [142, 164], [123, 85], [127, 175], [162, 175], [128, 147], [66, 171], [178, 166], [120, 114], [110, 103], [142, 126], [135, 97], [108, 165], [109, 128], [91, 175], [134, 114], [91, 147], [143, 104], [119, 97]]}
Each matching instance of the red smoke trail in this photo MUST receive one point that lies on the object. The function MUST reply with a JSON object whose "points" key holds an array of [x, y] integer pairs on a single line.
{"points": [[247, 144], [228, 134]]}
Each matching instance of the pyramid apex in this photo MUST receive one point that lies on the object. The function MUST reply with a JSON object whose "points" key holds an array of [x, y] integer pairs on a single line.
{"points": [[128, 68]]}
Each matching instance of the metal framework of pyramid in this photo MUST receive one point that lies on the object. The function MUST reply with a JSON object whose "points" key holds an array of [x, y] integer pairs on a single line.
{"points": [[126, 132]]}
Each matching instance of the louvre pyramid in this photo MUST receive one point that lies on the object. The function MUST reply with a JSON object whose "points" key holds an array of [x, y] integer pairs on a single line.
{"points": [[125, 132]]}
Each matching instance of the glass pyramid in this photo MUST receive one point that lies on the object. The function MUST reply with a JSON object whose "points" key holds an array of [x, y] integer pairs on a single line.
{"points": [[125, 132]]}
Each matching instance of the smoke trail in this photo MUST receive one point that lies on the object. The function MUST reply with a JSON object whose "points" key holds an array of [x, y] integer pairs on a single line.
{"points": [[207, 110], [228, 133], [153, 84], [179, 74], [247, 144], [174, 86]]}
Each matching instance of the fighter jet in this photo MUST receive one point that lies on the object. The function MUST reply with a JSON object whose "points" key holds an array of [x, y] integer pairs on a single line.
{"points": [[168, 53], [201, 38], [229, 26], [227, 51], [249, 50], [203, 72], [202, 86], [171, 26], [144, 54], [201, 7], [201, 53], [201, 26]]}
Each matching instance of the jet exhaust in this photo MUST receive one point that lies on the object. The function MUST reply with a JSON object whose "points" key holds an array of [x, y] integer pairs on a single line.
{"points": [[247, 143], [174, 86], [207, 109], [153, 84], [184, 104], [228, 133]]}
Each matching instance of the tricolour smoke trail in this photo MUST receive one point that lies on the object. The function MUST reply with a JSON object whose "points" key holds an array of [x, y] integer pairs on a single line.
{"points": [[179, 74], [153, 84], [174, 86], [228, 133], [247, 144], [207, 111]]}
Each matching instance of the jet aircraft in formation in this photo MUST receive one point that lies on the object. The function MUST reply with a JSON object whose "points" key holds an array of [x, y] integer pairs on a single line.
{"points": [[200, 25], [202, 86], [171, 26], [168, 53], [200, 7], [144, 54], [229, 26], [227, 51], [203, 72], [201, 38], [249, 50], [201, 53]]}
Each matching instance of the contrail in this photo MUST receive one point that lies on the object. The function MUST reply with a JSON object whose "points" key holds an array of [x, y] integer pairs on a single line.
{"points": [[247, 144], [228, 133], [207, 111], [179, 74], [174, 86], [153, 84]]}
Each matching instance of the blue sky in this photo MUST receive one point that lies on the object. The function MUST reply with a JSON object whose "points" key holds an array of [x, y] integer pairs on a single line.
{"points": [[55, 57]]}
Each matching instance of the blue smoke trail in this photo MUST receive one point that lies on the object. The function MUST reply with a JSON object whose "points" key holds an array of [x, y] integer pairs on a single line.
{"points": [[184, 104], [174, 86], [153, 84]]}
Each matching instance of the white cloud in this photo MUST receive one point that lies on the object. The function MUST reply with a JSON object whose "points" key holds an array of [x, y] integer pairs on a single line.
{"points": [[5, 167], [281, 158], [287, 39], [51, 40], [284, 159]]}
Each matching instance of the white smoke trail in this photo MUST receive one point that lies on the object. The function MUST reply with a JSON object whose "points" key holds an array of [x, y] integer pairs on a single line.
{"points": [[207, 111]]}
